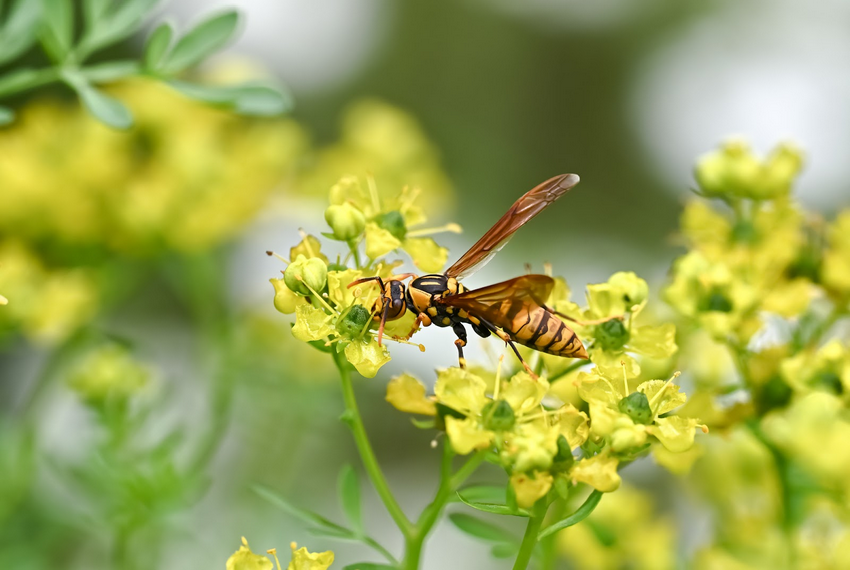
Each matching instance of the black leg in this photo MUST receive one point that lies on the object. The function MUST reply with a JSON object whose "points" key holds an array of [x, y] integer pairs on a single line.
{"points": [[460, 342], [505, 337]]}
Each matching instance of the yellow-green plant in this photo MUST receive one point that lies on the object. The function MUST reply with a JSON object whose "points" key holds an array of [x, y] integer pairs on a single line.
{"points": [[558, 460], [69, 45]]}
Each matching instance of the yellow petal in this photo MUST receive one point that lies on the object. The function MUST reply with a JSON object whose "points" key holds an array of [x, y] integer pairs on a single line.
{"points": [[675, 433], [461, 390], [663, 396], [302, 559], [309, 247], [407, 394], [599, 471], [529, 488], [379, 241], [311, 323], [467, 435], [426, 254], [366, 356], [244, 559], [523, 392], [573, 425]]}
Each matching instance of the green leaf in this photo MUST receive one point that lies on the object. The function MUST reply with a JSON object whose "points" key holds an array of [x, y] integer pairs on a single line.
{"points": [[369, 566], [59, 23], [19, 80], [579, 515], [106, 109], [344, 534], [304, 515], [6, 116], [110, 71], [481, 529], [204, 39], [94, 11], [19, 33], [504, 550], [482, 493], [157, 45], [348, 487], [494, 508], [121, 24], [430, 423], [254, 99]]}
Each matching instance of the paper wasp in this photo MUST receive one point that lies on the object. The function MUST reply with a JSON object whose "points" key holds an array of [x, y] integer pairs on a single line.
{"points": [[514, 310]]}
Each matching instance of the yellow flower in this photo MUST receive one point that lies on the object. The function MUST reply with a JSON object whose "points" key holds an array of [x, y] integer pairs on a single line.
{"points": [[734, 171], [108, 374], [244, 559], [827, 369], [528, 488], [407, 394], [835, 272], [598, 471], [367, 356], [302, 559]]}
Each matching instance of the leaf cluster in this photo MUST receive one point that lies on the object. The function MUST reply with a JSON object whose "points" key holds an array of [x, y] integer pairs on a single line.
{"points": [[69, 41]]}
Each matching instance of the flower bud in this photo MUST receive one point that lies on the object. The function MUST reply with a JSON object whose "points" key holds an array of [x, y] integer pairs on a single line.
{"points": [[285, 300], [612, 335], [781, 167], [636, 406], [393, 222], [498, 416], [353, 321], [732, 170], [346, 221], [304, 274]]}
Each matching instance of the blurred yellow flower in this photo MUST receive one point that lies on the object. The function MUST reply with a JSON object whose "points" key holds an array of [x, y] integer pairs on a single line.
{"points": [[109, 373]]}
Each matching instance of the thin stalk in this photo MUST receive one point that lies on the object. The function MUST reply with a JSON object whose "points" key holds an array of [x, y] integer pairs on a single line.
{"points": [[529, 539], [571, 368], [367, 455]]}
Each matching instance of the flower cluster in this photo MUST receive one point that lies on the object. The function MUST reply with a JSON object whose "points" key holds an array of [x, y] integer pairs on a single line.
{"points": [[767, 283], [302, 559], [521, 422], [328, 311]]}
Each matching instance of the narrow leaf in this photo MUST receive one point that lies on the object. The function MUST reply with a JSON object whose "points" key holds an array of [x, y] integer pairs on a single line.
{"points": [[6, 116], [304, 515], [504, 550], [94, 11], [253, 99], [59, 20], [495, 508], [19, 33], [481, 529], [201, 41], [579, 515], [344, 534], [348, 488], [110, 71], [124, 21], [369, 566], [482, 494], [157, 45], [105, 108], [19, 80]]}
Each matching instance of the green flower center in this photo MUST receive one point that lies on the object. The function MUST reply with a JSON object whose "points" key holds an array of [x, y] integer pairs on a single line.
{"points": [[636, 406], [715, 301], [354, 321], [393, 222], [744, 232], [612, 335], [829, 381], [498, 416]]}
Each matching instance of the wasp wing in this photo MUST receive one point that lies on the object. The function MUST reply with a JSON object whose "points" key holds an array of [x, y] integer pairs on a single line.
{"points": [[500, 303], [529, 205]]}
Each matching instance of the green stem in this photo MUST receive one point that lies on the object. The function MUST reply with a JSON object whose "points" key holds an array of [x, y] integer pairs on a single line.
{"points": [[548, 543], [361, 439], [529, 539], [572, 367]]}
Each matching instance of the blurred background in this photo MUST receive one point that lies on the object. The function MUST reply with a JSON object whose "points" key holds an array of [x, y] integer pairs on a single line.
{"points": [[141, 254]]}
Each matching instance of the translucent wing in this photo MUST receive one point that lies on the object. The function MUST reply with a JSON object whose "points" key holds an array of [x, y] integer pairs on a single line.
{"points": [[501, 302], [529, 205]]}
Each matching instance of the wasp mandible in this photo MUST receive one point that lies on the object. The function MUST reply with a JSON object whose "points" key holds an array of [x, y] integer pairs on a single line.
{"points": [[514, 310]]}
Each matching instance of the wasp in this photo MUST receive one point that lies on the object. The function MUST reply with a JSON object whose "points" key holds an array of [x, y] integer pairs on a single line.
{"points": [[514, 310]]}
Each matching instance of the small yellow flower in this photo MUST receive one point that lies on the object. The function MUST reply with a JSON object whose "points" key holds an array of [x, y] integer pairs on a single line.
{"points": [[367, 356], [108, 373], [302, 559], [407, 394], [599, 471], [734, 171], [827, 369], [244, 559], [528, 488]]}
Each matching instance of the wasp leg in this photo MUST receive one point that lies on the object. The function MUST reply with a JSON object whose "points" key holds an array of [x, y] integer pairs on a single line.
{"points": [[480, 330], [505, 337], [584, 323], [460, 343], [421, 319]]}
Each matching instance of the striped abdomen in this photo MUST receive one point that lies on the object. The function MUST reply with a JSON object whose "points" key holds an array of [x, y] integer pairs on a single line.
{"points": [[537, 328]]}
